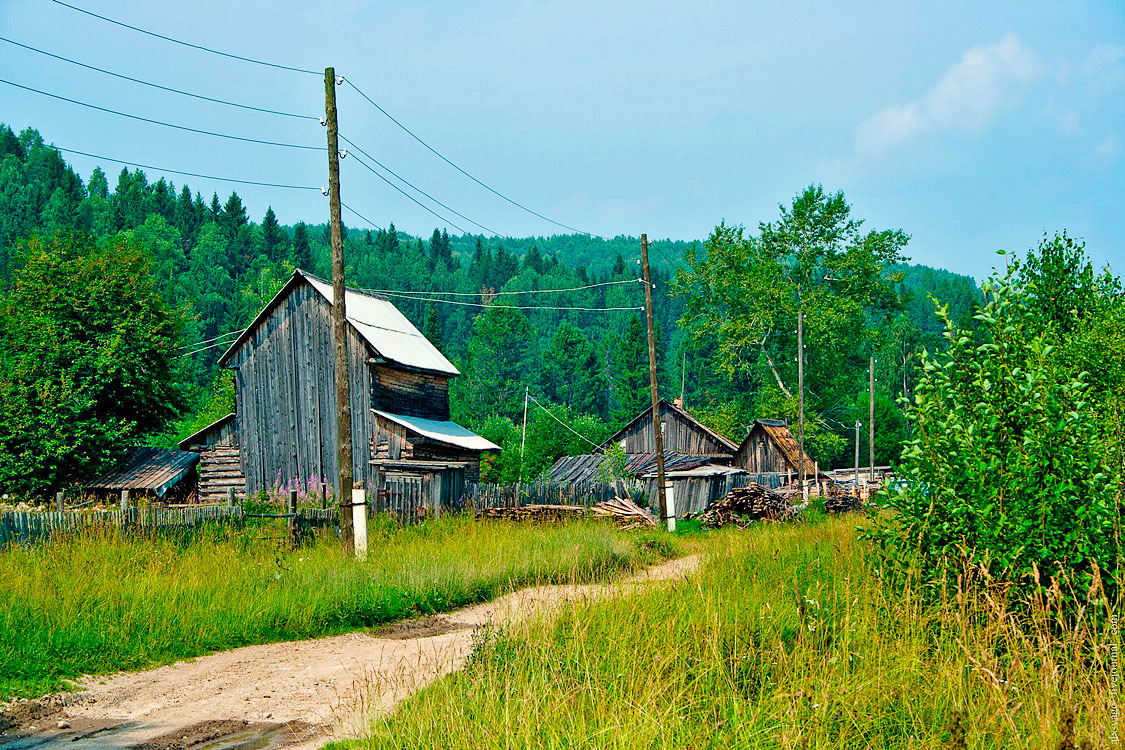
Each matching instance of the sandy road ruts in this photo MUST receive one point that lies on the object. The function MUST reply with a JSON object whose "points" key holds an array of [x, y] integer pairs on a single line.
{"points": [[297, 694]]}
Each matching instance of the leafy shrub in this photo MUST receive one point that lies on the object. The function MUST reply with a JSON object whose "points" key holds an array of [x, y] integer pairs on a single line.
{"points": [[1004, 470]]}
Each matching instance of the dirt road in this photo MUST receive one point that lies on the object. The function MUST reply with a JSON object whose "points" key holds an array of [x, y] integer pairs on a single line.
{"points": [[296, 695]]}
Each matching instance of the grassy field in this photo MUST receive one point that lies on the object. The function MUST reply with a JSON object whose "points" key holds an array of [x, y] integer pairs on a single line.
{"points": [[101, 604], [786, 638]]}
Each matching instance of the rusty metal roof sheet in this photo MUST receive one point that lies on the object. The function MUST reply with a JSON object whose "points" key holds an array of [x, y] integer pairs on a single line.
{"points": [[153, 470], [585, 468]]}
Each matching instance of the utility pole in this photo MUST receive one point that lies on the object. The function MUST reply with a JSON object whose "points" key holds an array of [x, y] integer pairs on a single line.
{"points": [[871, 417], [683, 380], [857, 426], [339, 323], [668, 514], [801, 399], [523, 440]]}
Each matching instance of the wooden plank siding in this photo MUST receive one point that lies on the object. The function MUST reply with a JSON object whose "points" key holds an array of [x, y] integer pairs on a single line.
{"points": [[771, 447], [286, 405], [682, 434], [410, 393], [396, 442]]}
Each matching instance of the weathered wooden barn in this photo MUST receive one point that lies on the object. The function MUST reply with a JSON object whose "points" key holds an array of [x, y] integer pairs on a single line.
{"points": [[683, 434], [220, 465], [283, 431], [771, 447]]}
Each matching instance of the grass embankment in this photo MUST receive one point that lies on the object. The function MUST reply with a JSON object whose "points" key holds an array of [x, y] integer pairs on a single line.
{"points": [[98, 604], [786, 638]]}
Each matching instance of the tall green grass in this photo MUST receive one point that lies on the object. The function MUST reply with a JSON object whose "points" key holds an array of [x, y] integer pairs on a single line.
{"points": [[788, 639], [101, 603]]}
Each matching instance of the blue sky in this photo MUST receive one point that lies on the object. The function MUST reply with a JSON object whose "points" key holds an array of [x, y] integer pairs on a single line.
{"points": [[972, 126]]}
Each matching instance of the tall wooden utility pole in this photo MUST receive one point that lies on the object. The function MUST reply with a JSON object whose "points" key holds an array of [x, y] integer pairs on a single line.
{"points": [[871, 417], [857, 426], [801, 400], [339, 322], [666, 513]]}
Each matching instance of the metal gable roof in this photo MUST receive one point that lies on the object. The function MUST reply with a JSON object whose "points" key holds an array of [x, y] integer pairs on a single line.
{"points": [[387, 330], [450, 433]]}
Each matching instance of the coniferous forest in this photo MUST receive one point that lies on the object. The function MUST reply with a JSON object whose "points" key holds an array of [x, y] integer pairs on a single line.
{"points": [[128, 289]]}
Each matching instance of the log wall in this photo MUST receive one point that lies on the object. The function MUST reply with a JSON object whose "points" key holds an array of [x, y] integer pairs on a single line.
{"points": [[286, 402], [410, 393]]}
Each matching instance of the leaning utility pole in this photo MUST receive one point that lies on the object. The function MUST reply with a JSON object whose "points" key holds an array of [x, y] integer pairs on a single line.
{"points": [[871, 417], [801, 400], [339, 322], [666, 513], [858, 424]]}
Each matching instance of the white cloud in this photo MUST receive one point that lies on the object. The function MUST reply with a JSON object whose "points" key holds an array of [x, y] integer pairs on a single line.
{"points": [[1104, 67], [1109, 149], [986, 80]]}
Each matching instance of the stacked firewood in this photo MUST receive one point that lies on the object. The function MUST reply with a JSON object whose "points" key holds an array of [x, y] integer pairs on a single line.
{"points": [[745, 504], [840, 501], [533, 512], [625, 513]]}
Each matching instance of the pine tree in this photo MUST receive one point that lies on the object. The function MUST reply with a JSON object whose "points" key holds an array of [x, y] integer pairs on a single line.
{"points": [[431, 327], [301, 251], [273, 237], [216, 207]]}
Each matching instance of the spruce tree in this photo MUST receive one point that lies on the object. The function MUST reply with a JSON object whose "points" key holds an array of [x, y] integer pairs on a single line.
{"points": [[273, 236]]}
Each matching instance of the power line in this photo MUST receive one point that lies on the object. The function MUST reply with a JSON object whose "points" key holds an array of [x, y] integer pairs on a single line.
{"points": [[526, 291], [357, 213], [186, 44], [160, 122], [564, 424], [216, 338], [157, 85], [502, 307], [372, 170], [436, 153], [188, 174], [416, 188], [202, 349]]}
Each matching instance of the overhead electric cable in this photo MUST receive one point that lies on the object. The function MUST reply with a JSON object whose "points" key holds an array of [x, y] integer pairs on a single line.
{"points": [[165, 124], [441, 156], [216, 338], [416, 188], [203, 349], [502, 307], [525, 291], [564, 424], [373, 171], [187, 44], [188, 174], [157, 85], [357, 213]]}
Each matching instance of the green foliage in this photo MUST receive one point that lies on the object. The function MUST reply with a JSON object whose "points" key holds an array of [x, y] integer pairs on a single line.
{"points": [[742, 295], [547, 440], [86, 360], [1005, 469]]}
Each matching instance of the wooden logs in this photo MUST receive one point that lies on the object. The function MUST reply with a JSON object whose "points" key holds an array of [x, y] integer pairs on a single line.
{"points": [[745, 504]]}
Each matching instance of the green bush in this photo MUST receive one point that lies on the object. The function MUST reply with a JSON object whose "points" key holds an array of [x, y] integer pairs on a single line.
{"points": [[1004, 471]]}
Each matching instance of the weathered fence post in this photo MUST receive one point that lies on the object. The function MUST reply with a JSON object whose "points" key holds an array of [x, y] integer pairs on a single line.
{"points": [[292, 512], [124, 500], [324, 497], [60, 504], [359, 520], [230, 497]]}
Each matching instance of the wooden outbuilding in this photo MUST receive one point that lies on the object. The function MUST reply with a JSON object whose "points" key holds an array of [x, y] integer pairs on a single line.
{"points": [[156, 473], [220, 467], [284, 426], [771, 448], [683, 434]]}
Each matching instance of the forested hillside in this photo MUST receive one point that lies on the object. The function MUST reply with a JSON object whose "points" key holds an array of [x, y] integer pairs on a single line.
{"points": [[214, 267]]}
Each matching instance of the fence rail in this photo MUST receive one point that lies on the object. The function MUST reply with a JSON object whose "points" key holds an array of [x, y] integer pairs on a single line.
{"points": [[27, 527]]}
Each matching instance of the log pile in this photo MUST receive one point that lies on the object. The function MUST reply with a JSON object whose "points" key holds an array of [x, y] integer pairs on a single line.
{"points": [[625, 513], [745, 504], [533, 512], [839, 501]]}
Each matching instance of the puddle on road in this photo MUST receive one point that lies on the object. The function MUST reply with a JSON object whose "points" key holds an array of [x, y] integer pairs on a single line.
{"points": [[207, 735]]}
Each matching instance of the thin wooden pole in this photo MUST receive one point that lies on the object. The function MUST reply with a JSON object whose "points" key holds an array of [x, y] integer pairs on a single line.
{"points": [[291, 510], [857, 426], [339, 321], [801, 400], [668, 514], [523, 440], [871, 417]]}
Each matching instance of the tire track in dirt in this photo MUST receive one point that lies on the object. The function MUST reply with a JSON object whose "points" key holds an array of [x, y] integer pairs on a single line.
{"points": [[297, 694]]}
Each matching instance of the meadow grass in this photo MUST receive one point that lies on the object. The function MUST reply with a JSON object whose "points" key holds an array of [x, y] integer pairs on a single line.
{"points": [[785, 638], [96, 604]]}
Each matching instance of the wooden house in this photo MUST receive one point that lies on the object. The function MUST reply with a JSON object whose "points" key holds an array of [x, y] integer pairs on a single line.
{"points": [[283, 430], [683, 434], [771, 448]]}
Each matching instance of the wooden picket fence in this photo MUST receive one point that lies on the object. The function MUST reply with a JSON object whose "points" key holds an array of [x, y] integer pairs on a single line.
{"points": [[31, 527], [540, 492]]}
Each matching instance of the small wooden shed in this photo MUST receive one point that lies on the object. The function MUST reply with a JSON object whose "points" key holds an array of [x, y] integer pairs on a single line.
{"points": [[158, 473], [771, 448], [683, 434], [220, 469]]}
